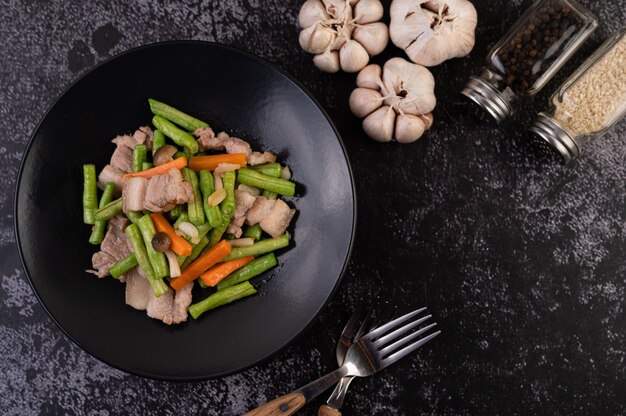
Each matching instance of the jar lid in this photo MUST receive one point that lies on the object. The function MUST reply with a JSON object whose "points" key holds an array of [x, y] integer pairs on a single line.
{"points": [[488, 98], [549, 132]]}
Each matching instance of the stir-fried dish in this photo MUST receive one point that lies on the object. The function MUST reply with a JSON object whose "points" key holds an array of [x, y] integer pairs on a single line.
{"points": [[181, 206]]}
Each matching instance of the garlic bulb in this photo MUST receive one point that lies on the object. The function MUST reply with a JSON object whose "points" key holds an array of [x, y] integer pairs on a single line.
{"points": [[343, 34], [395, 101], [431, 32]]}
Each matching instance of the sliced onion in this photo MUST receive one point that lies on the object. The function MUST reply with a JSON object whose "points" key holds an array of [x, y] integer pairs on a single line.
{"points": [[189, 229], [242, 242], [216, 197], [285, 173], [173, 263], [249, 189], [218, 182]]}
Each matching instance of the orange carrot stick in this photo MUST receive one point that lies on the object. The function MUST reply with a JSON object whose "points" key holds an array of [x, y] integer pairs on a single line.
{"points": [[179, 163], [178, 244], [216, 273], [202, 263], [211, 162]]}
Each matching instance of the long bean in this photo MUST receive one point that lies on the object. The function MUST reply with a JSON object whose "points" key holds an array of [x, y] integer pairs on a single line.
{"points": [[176, 116], [90, 194], [139, 249], [134, 216], [97, 234], [146, 166], [158, 141], [207, 187], [222, 297], [140, 153], [175, 213], [216, 233], [250, 270], [270, 195], [123, 266], [157, 259], [180, 137], [183, 217], [253, 231], [256, 249], [269, 169], [195, 252], [110, 210], [194, 208], [253, 178], [227, 206]]}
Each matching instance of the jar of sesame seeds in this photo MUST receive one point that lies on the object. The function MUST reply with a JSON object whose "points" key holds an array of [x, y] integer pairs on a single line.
{"points": [[535, 48], [588, 103]]}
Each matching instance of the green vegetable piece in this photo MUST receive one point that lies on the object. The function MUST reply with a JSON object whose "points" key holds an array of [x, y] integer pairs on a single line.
{"points": [[207, 187], [176, 116], [134, 216], [158, 141], [278, 185], [110, 210], [123, 266], [139, 249], [180, 137], [250, 270], [140, 154], [269, 169], [195, 252], [222, 297], [253, 231], [97, 234], [175, 213], [157, 259], [90, 194], [227, 206], [216, 233], [194, 208], [270, 195], [146, 166], [256, 249]]}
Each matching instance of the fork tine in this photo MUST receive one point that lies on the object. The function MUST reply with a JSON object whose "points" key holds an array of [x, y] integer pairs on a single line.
{"points": [[380, 342], [348, 330], [390, 348], [381, 330], [407, 350], [366, 325]]}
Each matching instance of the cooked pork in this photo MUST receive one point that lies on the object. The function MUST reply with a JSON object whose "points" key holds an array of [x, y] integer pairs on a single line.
{"points": [[123, 158], [276, 223], [115, 246], [243, 202], [137, 289], [171, 308], [259, 210], [234, 229], [257, 158], [207, 140], [166, 189], [144, 135], [134, 193], [111, 174], [236, 145]]}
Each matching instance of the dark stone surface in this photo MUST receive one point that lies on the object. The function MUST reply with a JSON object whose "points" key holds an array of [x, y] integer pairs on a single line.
{"points": [[523, 264]]}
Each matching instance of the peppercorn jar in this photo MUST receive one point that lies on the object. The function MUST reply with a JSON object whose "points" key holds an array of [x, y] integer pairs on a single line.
{"points": [[588, 104], [535, 48]]}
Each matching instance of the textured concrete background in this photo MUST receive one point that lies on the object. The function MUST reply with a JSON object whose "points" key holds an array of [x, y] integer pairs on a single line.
{"points": [[523, 264]]}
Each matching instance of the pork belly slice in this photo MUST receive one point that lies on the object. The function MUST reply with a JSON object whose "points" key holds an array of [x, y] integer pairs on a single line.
{"points": [[137, 289], [259, 210], [171, 307], [257, 158], [276, 223], [236, 145], [144, 135], [134, 193], [207, 140], [111, 174], [115, 246], [167, 190]]}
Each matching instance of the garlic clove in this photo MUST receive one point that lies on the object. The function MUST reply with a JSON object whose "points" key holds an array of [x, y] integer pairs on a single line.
{"points": [[363, 101], [316, 38], [353, 56], [373, 36], [408, 128], [312, 12], [379, 125], [368, 11], [370, 77], [431, 32], [409, 87], [427, 119], [327, 61], [338, 9]]}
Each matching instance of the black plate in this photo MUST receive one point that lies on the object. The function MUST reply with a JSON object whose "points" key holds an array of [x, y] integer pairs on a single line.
{"points": [[236, 92]]}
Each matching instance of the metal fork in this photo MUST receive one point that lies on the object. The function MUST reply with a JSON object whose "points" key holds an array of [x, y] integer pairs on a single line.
{"points": [[371, 353], [350, 334]]}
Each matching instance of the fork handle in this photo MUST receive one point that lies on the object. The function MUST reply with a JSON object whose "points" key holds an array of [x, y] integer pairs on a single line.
{"points": [[288, 404], [328, 411]]}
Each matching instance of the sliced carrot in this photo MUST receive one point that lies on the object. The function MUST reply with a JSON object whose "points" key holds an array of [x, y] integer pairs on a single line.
{"points": [[211, 162], [216, 273], [179, 163], [202, 263], [178, 244]]}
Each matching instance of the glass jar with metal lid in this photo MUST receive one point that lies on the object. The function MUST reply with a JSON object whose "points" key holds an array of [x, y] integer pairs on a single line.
{"points": [[588, 103], [535, 48]]}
